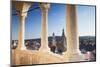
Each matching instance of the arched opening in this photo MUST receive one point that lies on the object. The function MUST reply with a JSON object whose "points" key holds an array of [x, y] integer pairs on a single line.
{"points": [[32, 29], [56, 28]]}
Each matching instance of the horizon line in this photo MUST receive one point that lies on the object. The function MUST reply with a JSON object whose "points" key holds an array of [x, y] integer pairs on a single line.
{"points": [[50, 36]]}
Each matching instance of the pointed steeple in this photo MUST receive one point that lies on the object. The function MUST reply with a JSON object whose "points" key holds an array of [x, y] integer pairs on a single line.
{"points": [[53, 39], [63, 34], [53, 34], [64, 40]]}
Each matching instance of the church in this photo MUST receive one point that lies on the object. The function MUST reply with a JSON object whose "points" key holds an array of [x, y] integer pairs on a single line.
{"points": [[57, 44]]}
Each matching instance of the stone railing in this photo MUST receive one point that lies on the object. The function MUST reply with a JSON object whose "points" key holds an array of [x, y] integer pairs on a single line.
{"points": [[26, 57]]}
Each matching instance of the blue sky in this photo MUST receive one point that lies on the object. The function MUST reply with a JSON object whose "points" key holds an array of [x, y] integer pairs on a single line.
{"points": [[56, 21]]}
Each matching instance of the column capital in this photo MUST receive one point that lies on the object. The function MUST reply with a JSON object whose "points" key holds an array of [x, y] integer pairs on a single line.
{"points": [[44, 6], [22, 7]]}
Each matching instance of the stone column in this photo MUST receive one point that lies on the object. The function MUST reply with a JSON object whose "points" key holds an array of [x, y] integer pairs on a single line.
{"points": [[72, 34], [72, 30], [21, 32], [44, 26], [22, 8]]}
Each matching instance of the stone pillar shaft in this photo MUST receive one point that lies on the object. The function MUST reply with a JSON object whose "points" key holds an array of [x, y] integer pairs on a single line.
{"points": [[21, 32], [72, 30], [44, 27]]}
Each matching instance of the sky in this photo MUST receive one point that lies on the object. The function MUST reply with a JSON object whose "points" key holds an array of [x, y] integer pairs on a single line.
{"points": [[56, 21]]}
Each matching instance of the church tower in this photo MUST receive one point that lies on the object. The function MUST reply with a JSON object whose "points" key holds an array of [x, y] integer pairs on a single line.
{"points": [[64, 40], [53, 39]]}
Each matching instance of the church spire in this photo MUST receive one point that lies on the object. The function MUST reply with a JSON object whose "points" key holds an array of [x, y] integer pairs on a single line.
{"points": [[53, 34], [53, 39], [64, 40], [63, 34]]}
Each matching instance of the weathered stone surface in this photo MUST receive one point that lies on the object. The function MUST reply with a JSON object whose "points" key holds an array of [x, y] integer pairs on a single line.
{"points": [[24, 57]]}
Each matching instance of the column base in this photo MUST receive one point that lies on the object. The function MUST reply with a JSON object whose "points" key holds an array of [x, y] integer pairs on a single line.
{"points": [[44, 50], [23, 48], [74, 57]]}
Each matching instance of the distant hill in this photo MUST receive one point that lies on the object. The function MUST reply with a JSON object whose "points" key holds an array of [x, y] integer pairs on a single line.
{"points": [[91, 38], [58, 38]]}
